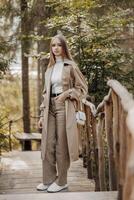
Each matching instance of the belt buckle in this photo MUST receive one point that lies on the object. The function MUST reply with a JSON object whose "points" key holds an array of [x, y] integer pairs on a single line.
{"points": [[57, 94]]}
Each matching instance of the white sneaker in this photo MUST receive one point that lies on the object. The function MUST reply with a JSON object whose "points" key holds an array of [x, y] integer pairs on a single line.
{"points": [[42, 187], [56, 188]]}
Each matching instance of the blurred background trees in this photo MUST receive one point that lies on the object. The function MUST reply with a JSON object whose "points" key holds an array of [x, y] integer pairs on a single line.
{"points": [[100, 35]]}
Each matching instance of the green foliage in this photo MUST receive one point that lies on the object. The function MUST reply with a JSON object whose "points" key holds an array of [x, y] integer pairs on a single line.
{"points": [[10, 104], [10, 96], [4, 60], [120, 3], [95, 31], [101, 57], [96, 36], [4, 144], [11, 109], [8, 11]]}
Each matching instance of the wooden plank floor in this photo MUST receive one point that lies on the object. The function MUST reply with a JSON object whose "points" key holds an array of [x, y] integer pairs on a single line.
{"points": [[63, 196], [22, 173]]}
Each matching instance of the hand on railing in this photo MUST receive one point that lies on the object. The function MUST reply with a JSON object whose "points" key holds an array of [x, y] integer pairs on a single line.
{"points": [[91, 105]]}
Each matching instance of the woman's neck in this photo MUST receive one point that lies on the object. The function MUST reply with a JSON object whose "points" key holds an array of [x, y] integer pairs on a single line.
{"points": [[58, 58]]}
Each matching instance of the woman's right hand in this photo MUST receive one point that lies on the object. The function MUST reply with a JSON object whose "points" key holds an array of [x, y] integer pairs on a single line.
{"points": [[40, 122]]}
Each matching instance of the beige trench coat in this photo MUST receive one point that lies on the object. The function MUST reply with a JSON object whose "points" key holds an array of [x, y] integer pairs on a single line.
{"points": [[71, 78]]}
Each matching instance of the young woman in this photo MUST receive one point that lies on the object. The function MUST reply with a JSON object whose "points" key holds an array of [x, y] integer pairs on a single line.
{"points": [[65, 86]]}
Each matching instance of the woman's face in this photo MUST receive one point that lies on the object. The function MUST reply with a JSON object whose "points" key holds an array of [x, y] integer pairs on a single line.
{"points": [[56, 47]]}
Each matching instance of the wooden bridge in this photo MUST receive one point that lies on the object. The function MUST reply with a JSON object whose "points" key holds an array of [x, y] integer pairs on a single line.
{"points": [[108, 156]]}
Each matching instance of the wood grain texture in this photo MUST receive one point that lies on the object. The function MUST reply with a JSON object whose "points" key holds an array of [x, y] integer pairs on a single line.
{"points": [[63, 196], [22, 172]]}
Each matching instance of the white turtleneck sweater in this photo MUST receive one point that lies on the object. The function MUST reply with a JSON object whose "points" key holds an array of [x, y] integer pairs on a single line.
{"points": [[56, 78]]}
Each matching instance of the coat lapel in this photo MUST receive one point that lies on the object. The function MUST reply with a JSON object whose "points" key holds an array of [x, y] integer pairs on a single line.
{"points": [[48, 78]]}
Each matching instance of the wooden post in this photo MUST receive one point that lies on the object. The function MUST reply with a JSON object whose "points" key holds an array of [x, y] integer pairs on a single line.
{"points": [[88, 143], [123, 145], [10, 135], [100, 133], [128, 191], [109, 133], [82, 144], [120, 183], [116, 132], [96, 172]]}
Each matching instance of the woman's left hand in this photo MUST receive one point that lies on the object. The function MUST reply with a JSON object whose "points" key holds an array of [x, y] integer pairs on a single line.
{"points": [[62, 97]]}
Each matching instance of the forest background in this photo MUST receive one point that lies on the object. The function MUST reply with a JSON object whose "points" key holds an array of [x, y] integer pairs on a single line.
{"points": [[100, 34]]}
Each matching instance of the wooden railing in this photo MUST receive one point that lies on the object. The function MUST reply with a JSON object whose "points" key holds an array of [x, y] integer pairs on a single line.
{"points": [[7, 134], [109, 148]]}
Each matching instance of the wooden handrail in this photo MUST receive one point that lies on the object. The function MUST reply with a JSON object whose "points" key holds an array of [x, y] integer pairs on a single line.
{"points": [[118, 108], [112, 126], [126, 98], [100, 107]]}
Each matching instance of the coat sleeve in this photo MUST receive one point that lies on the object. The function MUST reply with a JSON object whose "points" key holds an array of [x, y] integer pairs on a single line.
{"points": [[42, 106], [79, 87]]}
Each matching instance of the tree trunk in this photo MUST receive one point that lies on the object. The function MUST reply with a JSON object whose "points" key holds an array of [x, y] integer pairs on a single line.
{"points": [[42, 13], [25, 77]]}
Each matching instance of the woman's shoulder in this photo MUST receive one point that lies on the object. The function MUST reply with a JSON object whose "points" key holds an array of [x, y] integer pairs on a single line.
{"points": [[71, 63]]}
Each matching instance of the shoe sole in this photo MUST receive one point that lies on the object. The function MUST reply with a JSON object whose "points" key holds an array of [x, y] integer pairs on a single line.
{"points": [[41, 190], [58, 190]]}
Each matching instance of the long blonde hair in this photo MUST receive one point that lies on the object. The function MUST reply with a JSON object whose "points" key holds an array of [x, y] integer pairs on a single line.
{"points": [[65, 50]]}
